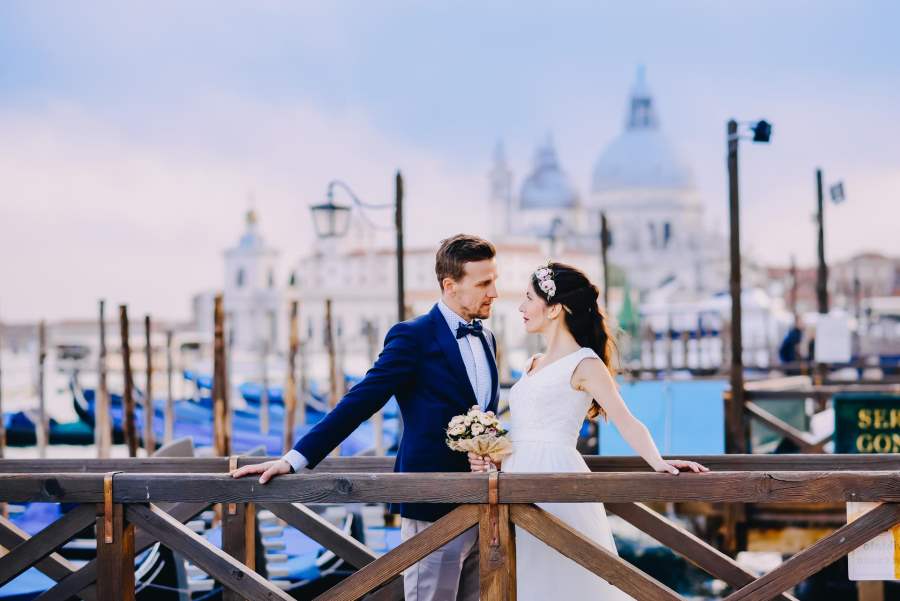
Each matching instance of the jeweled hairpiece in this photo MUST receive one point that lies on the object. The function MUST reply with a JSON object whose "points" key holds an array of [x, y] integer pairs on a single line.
{"points": [[544, 277]]}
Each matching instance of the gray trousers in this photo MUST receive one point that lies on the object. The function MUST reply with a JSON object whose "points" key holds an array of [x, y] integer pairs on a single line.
{"points": [[447, 574]]}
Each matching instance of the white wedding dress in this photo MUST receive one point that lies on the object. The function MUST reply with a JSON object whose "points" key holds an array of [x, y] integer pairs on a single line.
{"points": [[545, 419]]}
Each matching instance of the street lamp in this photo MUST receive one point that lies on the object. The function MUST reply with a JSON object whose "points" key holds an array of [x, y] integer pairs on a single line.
{"points": [[332, 220], [837, 197], [735, 438]]}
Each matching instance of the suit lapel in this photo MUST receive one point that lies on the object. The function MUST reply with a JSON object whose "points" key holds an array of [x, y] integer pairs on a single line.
{"points": [[495, 377], [450, 348]]}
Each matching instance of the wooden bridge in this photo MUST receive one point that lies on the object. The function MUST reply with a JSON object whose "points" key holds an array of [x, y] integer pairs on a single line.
{"points": [[136, 502]]}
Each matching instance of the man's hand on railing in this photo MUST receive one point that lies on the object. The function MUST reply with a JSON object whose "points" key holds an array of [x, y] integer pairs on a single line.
{"points": [[269, 470]]}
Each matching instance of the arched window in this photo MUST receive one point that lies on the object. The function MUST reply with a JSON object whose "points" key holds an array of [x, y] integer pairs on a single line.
{"points": [[271, 279], [240, 278], [667, 234]]}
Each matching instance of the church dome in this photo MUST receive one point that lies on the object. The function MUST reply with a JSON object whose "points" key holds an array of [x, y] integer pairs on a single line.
{"points": [[641, 157], [547, 187]]}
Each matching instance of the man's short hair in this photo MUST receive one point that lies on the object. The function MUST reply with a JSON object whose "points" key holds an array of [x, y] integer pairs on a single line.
{"points": [[456, 251]]}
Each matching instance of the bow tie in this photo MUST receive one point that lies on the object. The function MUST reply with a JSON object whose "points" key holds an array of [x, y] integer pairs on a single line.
{"points": [[465, 329]]}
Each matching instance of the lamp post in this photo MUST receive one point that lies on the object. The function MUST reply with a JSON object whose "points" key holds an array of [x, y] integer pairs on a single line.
{"points": [[735, 439], [837, 196], [333, 221]]}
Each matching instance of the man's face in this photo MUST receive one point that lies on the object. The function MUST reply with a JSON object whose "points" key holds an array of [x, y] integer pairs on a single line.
{"points": [[475, 292]]}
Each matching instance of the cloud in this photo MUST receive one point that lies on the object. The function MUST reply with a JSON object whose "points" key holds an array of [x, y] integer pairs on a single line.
{"points": [[92, 210]]}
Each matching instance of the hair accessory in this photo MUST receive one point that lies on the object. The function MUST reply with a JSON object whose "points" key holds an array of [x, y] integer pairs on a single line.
{"points": [[544, 277]]}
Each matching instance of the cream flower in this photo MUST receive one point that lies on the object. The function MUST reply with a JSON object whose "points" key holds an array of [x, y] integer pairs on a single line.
{"points": [[477, 429]]}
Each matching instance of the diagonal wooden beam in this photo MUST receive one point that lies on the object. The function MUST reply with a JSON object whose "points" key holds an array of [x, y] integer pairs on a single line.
{"points": [[609, 566], [81, 580], [826, 551], [332, 538], [220, 565], [391, 564], [54, 565], [45, 542], [686, 544], [800, 438], [323, 532]]}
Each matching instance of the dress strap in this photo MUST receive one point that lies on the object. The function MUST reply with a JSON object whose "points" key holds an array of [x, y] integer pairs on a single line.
{"points": [[577, 357]]}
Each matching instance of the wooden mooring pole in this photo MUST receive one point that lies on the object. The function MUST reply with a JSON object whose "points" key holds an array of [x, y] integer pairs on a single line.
{"points": [[42, 429], [128, 425], [290, 384], [169, 428], [102, 425], [221, 421], [149, 436]]}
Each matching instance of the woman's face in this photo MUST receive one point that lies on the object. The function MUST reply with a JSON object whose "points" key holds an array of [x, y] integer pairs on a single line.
{"points": [[534, 311]]}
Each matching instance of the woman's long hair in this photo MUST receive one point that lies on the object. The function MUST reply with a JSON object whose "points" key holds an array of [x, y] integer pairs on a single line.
{"points": [[584, 318]]}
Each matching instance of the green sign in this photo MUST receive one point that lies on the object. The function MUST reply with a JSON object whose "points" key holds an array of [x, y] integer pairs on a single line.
{"points": [[867, 423]]}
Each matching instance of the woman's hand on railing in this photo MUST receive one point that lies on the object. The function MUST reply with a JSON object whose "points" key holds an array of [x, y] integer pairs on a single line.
{"points": [[268, 469], [477, 463], [674, 466]]}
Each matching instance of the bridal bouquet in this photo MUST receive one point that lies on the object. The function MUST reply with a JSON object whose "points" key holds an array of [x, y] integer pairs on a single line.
{"points": [[479, 432]]}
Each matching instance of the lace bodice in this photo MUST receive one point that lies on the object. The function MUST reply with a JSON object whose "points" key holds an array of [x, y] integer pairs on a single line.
{"points": [[544, 407]]}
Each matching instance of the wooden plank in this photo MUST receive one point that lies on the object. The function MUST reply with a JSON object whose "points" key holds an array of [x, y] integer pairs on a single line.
{"points": [[738, 463], [115, 560], [802, 439], [81, 580], [51, 488], [496, 556], [392, 564], [823, 553], [45, 542], [231, 573], [609, 566], [713, 487], [686, 544], [304, 488], [54, 565]]}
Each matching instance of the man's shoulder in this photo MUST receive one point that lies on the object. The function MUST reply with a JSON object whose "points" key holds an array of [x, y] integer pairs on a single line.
{"points": [[413, 327]]}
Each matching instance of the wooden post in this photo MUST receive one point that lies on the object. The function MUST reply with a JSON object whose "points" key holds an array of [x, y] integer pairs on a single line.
{"points": [[332, 357], [332, 365], [735, 429], [497, 548], [304, 379], [290, 384], [604, 248], [103, 424], [2, 423], [42, 429], [264, 388], [221, 433], [371, 332], [398, 225], [169, 429], [239, 539], [149, 438], [115, 560], [128, 425]]}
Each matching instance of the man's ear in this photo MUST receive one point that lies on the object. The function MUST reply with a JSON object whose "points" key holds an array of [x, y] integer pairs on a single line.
{"points": [[448, 285]]}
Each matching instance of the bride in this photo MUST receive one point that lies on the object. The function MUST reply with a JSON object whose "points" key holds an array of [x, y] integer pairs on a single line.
{"points": [[548, 406]]}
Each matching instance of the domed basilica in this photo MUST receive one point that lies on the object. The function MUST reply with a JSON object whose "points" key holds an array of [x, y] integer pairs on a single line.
{"points": [[647, 192]]}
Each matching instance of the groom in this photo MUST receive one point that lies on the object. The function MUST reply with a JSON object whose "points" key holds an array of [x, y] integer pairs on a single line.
{"points": [[437, 366]]}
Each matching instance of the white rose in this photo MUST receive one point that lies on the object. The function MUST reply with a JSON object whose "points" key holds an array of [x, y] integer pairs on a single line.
{"points": [[459, 419], [485, 420], [456, 430], [467, 420], [477, 429]]}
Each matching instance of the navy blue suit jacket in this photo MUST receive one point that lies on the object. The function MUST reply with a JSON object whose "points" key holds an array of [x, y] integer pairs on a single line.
{"points": [[422, 367]]}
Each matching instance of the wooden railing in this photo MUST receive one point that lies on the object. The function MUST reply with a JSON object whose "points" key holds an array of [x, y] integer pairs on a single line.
{"points": [[134, 503]]}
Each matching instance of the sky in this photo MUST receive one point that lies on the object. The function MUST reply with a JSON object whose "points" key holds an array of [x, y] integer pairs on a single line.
{"points": [[134, 136]]}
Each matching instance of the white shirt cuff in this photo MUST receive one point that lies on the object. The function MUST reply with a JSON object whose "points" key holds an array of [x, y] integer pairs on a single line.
{"points": [[297, 461]]}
